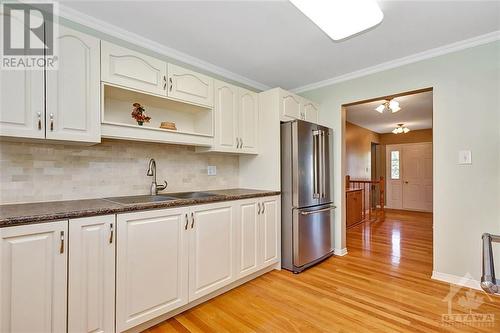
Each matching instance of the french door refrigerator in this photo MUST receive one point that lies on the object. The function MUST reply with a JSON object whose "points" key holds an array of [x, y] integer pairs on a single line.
{"points": [[306, 201]]}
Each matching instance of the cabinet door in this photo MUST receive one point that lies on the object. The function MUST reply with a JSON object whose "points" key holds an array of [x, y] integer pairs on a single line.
{"points": [[151, 267], [226, 116], [247, 238], [248, 119], [291, 105], [211, 249], [189, 86], [21, 100], [132, 69], [73, 90], [33, 268], [311, 112], [271, 230], [91, 285]]}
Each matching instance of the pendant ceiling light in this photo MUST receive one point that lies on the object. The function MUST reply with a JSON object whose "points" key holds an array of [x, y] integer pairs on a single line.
{"points": [[388, 105], [400, 129], [340, 19]]}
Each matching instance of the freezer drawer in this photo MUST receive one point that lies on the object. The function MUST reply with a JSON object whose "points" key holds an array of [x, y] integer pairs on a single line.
{"points": [[311, 234]]}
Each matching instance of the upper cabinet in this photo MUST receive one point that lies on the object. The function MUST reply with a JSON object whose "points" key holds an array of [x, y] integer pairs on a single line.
{"points": [[132, 69], [236, 120], [292, 106], [189, 86], [73, 91], [60, 104]]}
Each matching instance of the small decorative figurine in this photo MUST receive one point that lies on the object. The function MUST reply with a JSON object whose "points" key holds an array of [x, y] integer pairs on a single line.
{"points": [[139, 114]]}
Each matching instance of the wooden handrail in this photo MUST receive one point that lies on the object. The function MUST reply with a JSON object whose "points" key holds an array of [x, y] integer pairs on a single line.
{"points": [[372, 209]]}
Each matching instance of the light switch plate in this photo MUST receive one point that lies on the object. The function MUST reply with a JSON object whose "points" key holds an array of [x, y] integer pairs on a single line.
{"points": [[212, 170], [464, 157]]}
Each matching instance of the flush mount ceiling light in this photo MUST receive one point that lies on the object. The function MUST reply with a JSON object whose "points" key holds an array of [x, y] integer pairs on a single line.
{"points": [[400, 129], [340, 19], [388, 105]]}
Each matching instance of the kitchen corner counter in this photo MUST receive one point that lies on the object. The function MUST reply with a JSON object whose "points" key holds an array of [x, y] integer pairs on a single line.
{"points": [[38, 212]]}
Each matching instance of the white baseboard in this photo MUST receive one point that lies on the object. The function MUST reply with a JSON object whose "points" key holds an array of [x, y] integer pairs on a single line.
{"points": [[340, 252], [463, 281]]}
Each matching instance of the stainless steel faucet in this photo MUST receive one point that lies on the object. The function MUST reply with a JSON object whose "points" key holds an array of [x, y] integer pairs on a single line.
{"points": [[152, 173]]}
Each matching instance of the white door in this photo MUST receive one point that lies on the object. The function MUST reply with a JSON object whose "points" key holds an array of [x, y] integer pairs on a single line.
{"points": [[248, 237], [33, 268], [211, 249], [22, 101], [152, 265], [291, 105], [189, 86], [417, 176], [310, 112], [248, 120], [226, 104], [132, 69], [73, 91], [270, 230], [91, 285], [394, 182]]}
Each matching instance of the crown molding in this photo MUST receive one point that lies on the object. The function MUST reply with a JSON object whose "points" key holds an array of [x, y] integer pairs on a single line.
{"points": [[133, 38], [442, 50]]}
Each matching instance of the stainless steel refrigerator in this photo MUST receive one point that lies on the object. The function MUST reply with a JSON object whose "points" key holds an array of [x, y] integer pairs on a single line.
{"points": [[307, 207]]}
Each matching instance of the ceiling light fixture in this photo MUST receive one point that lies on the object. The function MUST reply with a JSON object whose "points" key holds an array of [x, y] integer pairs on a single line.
{"points": [[340, 19], [388, 105], [400, 129]]}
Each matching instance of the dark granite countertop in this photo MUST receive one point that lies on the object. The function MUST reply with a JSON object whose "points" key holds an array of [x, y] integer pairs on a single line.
{"points": [[38, 212]]}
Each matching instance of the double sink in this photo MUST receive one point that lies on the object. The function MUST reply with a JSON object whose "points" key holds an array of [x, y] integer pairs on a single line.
{"points": [[139, 199]]}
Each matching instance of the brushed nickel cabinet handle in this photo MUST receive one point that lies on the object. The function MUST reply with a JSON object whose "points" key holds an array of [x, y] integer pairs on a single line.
{"points": [[241, 144], [187, 222], [51, 122], [39, 114], [263, 208], [61, 248], [192, 220], [111, 233], [164, 82], [258, 205], [171, 84]]}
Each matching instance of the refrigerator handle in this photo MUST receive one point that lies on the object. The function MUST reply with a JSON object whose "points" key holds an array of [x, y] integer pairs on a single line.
{"points": [[316, 154], [323, 165]]}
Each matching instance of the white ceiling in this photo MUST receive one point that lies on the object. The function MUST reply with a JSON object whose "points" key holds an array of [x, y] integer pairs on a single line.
{"points": [[415, 113], [271, 42]]}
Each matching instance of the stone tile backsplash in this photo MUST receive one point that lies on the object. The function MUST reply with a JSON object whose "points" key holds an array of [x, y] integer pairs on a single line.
{"points": [[31, 172]]}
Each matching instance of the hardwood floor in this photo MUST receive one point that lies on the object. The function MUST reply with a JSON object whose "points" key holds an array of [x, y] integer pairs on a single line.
{"points": [[382, 285]]}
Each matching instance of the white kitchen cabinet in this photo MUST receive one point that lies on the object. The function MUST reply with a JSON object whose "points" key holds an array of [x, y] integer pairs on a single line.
{"points": [[91, 281], [248, 120], [226, 116], [73, 90], [258, 234], [33, 270], [211, 248], [190, 86], [132, 69], [152, 265], [271, 230], [248, 237], [21, 100], [290, 105], [310, 112]]}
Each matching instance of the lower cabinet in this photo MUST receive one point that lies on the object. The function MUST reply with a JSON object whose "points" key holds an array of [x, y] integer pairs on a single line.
{"points": [[91, 281], [258, 234], [33, 270], [152, 265]]}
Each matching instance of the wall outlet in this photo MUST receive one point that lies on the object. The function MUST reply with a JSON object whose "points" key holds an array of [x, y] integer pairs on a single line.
{"points": [[211, 170], [464, 157]]}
